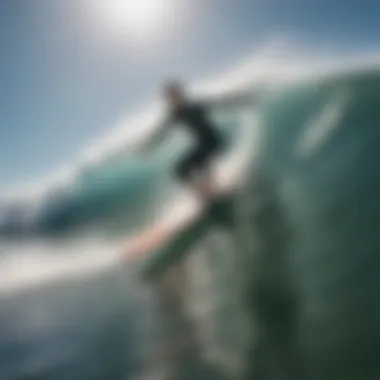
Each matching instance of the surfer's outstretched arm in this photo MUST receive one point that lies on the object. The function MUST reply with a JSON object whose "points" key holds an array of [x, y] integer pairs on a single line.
{"points": [[234, 99]]}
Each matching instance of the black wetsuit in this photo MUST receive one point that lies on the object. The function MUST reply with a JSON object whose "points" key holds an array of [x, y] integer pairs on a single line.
{"points": [[209, 142]]}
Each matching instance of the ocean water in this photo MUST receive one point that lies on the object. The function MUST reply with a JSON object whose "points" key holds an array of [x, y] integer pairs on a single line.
{"points": [[303, 253]]}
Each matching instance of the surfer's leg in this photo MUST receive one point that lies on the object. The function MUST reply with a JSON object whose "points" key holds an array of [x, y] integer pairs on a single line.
{"points": [[195, 171], [185, 169], [205, 186]]}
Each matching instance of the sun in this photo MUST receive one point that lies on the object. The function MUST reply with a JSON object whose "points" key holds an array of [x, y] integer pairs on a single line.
{"points": [[136, 18]]}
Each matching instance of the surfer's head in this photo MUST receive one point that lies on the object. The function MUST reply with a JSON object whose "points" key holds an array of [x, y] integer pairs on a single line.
{"points": [[174, 92]]}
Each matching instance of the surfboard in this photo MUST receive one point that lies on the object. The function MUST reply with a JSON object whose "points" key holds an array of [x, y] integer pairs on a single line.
{"points": [[164, 245]]}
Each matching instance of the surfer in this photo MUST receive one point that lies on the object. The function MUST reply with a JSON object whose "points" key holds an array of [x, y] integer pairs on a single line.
{"points": [[194, 169]]}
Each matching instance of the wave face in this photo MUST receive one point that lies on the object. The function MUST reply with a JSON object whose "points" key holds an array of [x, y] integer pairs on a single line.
{"points": [[97, 195], [313, 172], [314, 241]]}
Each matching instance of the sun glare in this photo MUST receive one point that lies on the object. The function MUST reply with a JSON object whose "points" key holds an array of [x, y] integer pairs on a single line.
{"points": [[137, 18]]}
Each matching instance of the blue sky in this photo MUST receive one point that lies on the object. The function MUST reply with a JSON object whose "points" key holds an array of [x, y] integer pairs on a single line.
{"points": [[65, 79]]}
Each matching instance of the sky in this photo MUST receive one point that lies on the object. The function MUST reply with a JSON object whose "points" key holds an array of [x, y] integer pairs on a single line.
{"points": [[70, 69]]}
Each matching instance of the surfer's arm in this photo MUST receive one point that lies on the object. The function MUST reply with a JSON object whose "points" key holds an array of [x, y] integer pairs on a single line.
{"points": [[242, 98]]}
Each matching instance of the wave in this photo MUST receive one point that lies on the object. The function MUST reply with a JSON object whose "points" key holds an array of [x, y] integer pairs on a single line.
{"points": [[107, 184], [312, 135]]}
